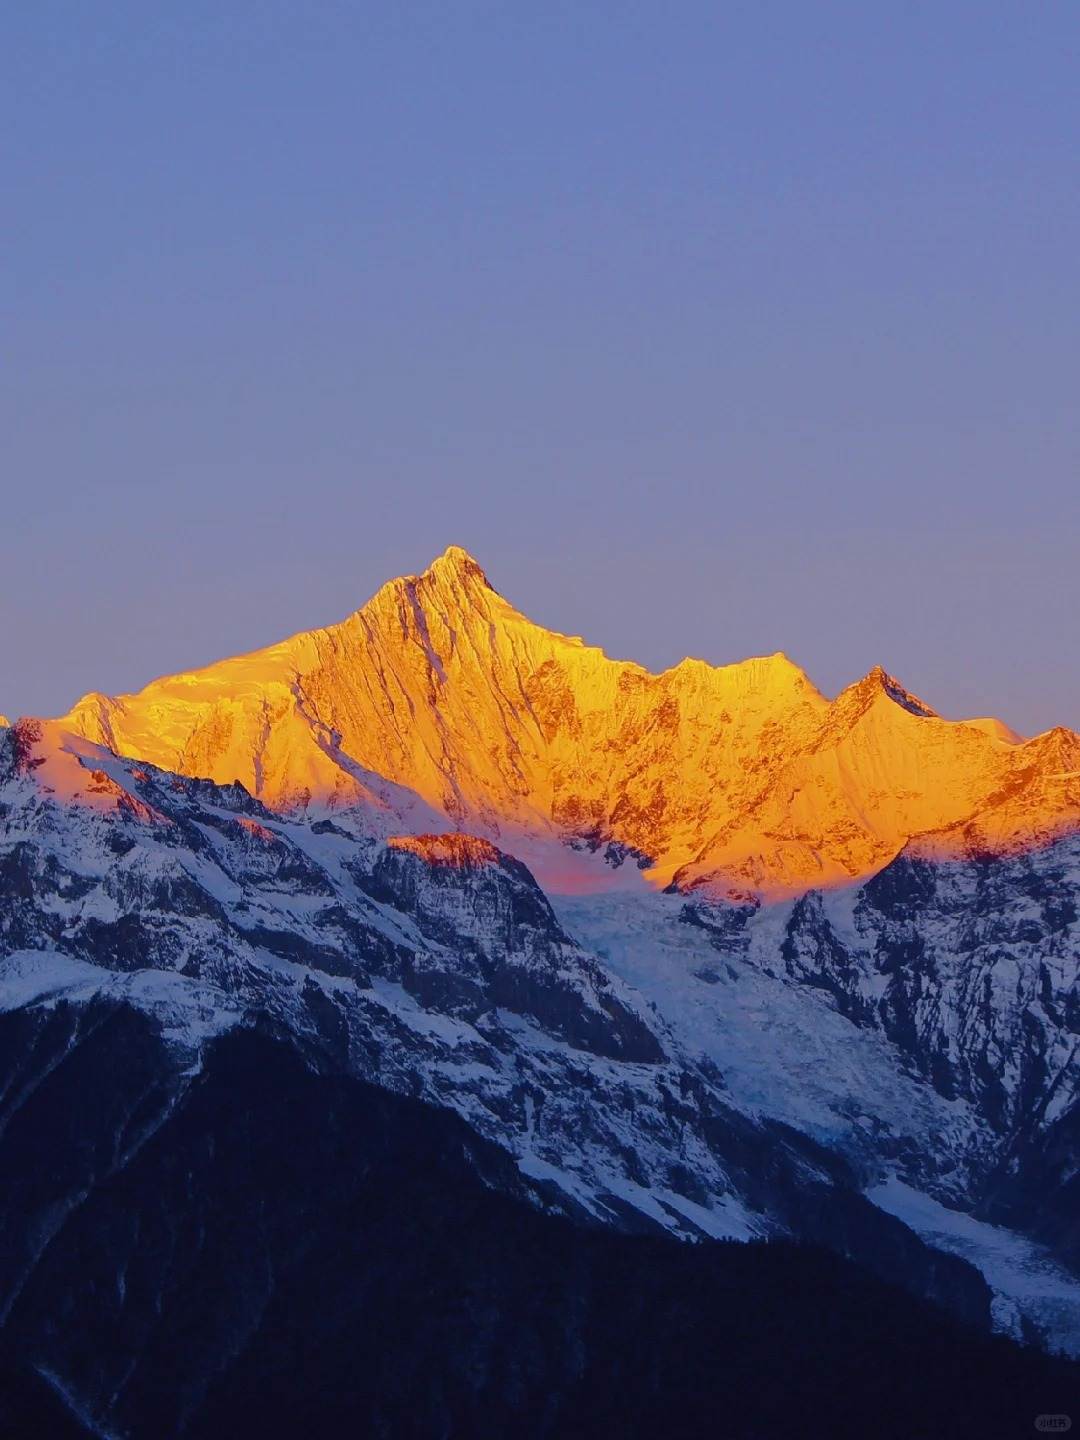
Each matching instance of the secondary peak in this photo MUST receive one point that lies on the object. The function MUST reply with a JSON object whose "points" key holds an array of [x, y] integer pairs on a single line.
{"points": [[880, 679]]}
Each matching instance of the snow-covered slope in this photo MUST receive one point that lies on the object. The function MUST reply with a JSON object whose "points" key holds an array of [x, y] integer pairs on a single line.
{"points": [[437, 705], [432, 966], [924, 1028]]}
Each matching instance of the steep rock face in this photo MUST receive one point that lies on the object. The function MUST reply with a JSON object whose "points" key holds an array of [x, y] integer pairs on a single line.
{"points": [[1036, 1185], [437, 706], [487, 908], [971, 967], [921, 1026]]}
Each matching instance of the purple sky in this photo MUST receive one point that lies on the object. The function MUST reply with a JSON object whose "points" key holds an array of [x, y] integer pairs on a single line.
{"points": [[708, 329]]}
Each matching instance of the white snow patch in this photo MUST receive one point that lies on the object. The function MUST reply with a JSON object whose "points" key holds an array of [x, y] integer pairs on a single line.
{"points": [[190, 1011], [1025, 1279], [784, 1052]]}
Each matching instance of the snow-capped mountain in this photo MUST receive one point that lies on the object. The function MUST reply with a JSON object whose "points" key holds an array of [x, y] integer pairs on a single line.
{"points": [[702, 952]]}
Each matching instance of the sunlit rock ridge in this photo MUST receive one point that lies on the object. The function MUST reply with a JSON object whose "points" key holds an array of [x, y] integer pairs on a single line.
{"points": [[438, 707]]}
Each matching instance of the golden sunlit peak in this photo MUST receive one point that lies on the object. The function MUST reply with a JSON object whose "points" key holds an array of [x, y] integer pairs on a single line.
{"points": [[879, 680], [455, 573], [438, 704], [780, 663], [456, 564]]}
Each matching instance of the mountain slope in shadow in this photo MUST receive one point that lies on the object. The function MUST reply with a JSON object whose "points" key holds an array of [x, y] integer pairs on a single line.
{"points": [[260, 1249]]}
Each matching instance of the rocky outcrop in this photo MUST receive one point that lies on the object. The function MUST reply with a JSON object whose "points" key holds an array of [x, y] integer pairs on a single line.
{"points": [[971, 970], [489, 910]]}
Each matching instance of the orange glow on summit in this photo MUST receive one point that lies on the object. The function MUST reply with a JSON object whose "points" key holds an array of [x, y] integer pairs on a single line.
{"points": [[451, 851], [438, 707]]}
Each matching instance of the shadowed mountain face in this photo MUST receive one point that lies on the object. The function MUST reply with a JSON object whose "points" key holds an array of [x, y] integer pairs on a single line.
{"points": [[387, 1272], [437, 706], [434, 966]]}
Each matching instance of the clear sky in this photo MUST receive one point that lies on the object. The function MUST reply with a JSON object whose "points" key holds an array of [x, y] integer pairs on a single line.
{"points": [[708, 328]]}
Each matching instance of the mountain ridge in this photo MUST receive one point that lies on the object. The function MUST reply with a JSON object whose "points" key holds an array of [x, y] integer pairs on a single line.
{"points": [[438, 705]]}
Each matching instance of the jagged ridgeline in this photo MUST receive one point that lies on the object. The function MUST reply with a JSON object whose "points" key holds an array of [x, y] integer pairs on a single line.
{"points": [[438, 705]]}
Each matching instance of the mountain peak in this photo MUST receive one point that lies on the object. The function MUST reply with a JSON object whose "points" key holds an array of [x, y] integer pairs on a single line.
{"points": [[878, 680], [454, 581], [455, 566]]}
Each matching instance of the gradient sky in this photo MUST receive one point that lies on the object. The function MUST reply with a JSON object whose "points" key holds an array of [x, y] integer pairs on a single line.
{"points": [[708, 328]]}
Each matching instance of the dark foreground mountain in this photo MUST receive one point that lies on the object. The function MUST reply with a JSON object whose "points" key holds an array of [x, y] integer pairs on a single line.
{"points": [[264, 1250]]}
